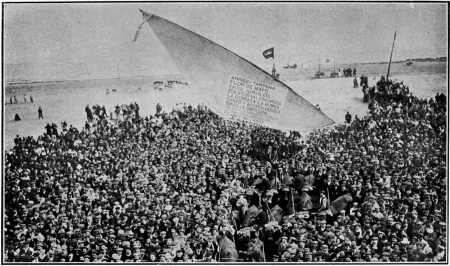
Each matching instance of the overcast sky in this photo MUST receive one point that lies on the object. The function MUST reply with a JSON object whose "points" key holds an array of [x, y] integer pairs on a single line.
{"points": [[97, 38]]}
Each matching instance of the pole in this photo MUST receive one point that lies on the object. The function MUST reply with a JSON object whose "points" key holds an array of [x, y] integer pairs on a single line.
{"points": [[295, 155], [264, 252], [390, 60], [319, 63], [293, 204], [270, 212], [328, 202]]}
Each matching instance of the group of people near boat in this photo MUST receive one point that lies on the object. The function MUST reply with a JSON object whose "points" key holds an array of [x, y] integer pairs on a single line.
{"points": [[187, 186]]}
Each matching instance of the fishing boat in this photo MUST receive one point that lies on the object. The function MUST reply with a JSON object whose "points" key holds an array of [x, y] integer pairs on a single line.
{"points": [[319, 74], [294, 66], [334, 74]]}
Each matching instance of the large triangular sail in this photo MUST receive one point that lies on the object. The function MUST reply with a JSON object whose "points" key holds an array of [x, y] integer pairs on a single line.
{"points": [[231, 86]]}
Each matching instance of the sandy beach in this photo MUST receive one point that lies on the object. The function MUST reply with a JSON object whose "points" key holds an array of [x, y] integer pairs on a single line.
{"points": [[66, 100]]}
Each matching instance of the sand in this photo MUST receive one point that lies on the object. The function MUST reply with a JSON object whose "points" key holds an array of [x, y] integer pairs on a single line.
{"points": [[65, 101]]}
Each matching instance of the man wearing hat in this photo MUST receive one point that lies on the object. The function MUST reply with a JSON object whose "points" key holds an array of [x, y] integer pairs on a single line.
{"points": [[290, 255], [440, 255], [178, 256], [323, 202], [282, 245], [385, 257], [24, 249]]}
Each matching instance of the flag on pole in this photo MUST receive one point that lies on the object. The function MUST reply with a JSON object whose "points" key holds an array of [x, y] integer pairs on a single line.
{"points": [[269, 53]]}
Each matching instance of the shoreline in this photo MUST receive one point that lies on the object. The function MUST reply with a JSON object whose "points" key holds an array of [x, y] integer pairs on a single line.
{"points": [[89, 79], [301, 72]]}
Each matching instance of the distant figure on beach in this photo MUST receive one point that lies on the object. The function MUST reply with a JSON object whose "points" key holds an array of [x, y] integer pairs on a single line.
{"points": [[88, 113], [366, 93], [355, 83], [136, 110], [24, 98], [117, 111], [40, 113], [49, 129], [17, 117], [72, 130], [87, 127], [15, 100], [104, 111], [158, 109], [10, 100], [55, 130], [348, 118], [31, 99], [17, 140], [354, 72], [64, 126], [107, 91]]}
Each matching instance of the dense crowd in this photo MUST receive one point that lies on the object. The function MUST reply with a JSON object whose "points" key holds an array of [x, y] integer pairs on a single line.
{"points": [[188, 186]]}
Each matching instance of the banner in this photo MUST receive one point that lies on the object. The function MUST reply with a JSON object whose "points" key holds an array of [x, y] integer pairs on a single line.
{"points": [[233, 87]]}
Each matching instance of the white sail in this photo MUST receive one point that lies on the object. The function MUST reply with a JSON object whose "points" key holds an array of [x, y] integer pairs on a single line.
{"points": [[231, 86]]}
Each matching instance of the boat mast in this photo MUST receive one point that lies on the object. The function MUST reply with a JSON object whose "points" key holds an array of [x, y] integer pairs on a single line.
{"points": [[319, 63], [390, 60]]}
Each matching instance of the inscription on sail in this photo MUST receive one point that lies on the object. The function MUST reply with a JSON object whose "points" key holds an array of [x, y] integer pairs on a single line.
{"points": [[253, 102]]}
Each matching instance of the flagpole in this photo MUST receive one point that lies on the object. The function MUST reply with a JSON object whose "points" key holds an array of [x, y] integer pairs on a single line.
{"points": [[274, 74], [328, 201], [293, 204], [390, 60]]}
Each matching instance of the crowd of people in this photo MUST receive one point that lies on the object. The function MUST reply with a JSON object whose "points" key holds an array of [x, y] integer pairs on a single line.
{"points": [[188, 186]]}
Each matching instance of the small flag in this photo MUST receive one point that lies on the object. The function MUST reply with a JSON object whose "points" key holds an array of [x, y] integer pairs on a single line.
{"points": [[139, 29], [137, 32], [269, 53]]}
